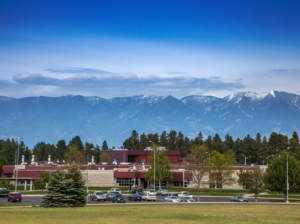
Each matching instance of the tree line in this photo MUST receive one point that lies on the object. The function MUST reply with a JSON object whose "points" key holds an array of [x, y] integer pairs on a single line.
{"points": [[259, 148], [75, 150]]}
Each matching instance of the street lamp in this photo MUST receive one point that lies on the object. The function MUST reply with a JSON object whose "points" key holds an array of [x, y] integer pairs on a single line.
{"points": [[154, 163], [246, 159], [87, 176], [287, 175], [16, 184], [268, 159], [208, 155]]}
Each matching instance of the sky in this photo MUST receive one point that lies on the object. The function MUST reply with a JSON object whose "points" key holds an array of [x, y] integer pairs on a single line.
{"points": [[111, 48]]}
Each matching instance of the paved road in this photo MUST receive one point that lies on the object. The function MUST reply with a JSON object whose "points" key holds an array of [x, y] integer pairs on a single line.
{"points": [[38, 199]]}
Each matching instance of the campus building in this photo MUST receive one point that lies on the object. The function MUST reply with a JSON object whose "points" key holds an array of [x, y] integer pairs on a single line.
{"points": [[129, 167]]}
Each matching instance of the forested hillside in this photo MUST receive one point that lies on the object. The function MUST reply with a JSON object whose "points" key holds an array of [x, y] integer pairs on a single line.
{"points": [[258, 147]]}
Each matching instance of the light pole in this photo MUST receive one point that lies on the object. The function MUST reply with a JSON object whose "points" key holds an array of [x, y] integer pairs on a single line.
{"points": [[268, 159], [287, 175], [208, 155], [246, 159], [154, 164], [16, 184], [87, 176]]}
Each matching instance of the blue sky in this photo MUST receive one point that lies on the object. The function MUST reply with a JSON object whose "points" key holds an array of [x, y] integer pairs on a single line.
{"points": [[124, 48]]}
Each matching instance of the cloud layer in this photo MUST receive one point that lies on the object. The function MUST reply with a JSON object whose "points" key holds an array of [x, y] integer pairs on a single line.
{"points": [[131, 84]]}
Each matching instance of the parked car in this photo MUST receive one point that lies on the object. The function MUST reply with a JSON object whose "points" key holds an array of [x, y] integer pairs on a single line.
{"points": [[162, 192], [4, 192], [150, 191], [14, 197], [136, 190], [115, 190], [141, 193], [187, 199], [134, 197], [118, 198], [172, 199], [239, 199], [183, 194], [172, 194], [110, 195], [98, 195], [149, 197]]}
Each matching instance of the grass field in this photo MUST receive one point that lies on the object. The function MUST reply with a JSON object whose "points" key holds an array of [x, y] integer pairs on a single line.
{"points": [[156, 214]]}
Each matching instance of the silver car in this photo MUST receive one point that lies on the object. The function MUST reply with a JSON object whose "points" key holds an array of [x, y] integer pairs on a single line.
{"points": [[187, 199], [172, 199], [98, 196]]}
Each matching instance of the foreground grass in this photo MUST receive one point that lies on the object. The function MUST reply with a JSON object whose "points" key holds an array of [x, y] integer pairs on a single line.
{"points": [[156, 214], [277, 196]]}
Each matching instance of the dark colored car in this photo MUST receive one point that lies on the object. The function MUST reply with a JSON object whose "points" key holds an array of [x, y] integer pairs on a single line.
{"points": [[118, 198], [136, 190], [239, 199], [4, 192], [187, 199], [141, 193], [162, 192], [134, 197], [111, 194], [14, 197]]}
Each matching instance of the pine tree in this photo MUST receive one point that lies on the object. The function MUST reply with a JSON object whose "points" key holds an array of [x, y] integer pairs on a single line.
{"points": [[104, 146], [78, 191], [60, 190], [164, 139]]}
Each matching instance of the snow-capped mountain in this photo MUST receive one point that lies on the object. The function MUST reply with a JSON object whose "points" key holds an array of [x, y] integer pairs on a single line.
{"points": [[96, 119]]}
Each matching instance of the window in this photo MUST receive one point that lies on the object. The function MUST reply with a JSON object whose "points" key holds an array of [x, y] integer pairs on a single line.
{"points": [[28, 181], [219, 185], [126, 181], [178, 184], [162, 184], [186, 182], [212, 184], [8, 175]]}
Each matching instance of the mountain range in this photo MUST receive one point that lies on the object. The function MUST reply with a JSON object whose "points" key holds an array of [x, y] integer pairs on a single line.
{"points": [[95, 119]]}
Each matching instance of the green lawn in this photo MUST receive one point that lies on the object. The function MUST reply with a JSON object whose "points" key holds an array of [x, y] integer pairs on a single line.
{"points": [[279, 196], [156, 214]]}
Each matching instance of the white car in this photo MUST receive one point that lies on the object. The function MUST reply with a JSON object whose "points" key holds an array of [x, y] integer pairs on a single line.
{"points": [[115, 190], [150, 191], [172, 199], [149, 197], [183, 194]]}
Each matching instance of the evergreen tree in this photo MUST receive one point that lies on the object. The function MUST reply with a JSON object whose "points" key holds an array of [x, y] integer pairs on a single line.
{"points": [[77, 141], [61, 149], [172, 140], [143, 142], [238, 150], [164, 139], [60, 190], [134, 139], [217, 144], [208, 143], [78, 193], [228, 143], [104, 146]]}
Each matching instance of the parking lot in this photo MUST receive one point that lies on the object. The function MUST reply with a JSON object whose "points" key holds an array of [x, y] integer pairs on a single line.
{"points": [[38, 199]]}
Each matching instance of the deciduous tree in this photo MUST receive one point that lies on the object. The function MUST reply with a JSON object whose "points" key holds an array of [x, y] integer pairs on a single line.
{"points": [[222, 166], [198, 164], [276, 174], [253, 180]]}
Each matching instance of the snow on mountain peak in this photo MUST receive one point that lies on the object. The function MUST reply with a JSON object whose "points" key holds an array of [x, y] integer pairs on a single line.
{"points": [[237, 97]]}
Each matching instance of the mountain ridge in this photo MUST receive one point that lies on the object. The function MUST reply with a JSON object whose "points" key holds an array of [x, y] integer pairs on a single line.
{"points": [[92, 118]]}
